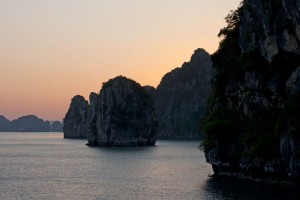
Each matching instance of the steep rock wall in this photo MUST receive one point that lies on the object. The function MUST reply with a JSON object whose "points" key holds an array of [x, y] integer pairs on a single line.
{"points": [[252, 127], [181, 98], [270, 26], [76, 120], [125, 115]]}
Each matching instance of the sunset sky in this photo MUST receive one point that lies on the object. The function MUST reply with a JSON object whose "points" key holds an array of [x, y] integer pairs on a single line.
{"points": [[51, 50]]}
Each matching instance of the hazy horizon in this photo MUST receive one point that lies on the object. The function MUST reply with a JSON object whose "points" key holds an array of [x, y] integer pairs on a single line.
{"points": [[54, 50]]}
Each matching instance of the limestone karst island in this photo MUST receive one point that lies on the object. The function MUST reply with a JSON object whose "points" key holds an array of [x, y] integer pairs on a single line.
{"points": [[249, 116], [121, 115]]}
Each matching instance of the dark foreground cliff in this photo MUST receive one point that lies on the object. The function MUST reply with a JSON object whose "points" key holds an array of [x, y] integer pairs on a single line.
{"points": [[181, 98], [252, 129]]}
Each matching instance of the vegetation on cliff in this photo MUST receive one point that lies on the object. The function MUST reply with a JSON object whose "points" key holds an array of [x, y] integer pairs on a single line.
{"points": [[252, 126]]}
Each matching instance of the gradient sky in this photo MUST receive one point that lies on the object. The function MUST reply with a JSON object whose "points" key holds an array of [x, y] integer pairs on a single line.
{"points": [[51, 50]]}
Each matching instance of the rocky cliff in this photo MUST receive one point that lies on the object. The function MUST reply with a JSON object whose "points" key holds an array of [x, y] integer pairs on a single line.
{"points": [[252, 128], [270, 26], [181, 98], [124, 115], [92, 117], [76, 123]]}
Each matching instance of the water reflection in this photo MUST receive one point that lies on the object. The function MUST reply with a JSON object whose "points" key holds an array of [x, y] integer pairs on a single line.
{"points": [[215, 188]]}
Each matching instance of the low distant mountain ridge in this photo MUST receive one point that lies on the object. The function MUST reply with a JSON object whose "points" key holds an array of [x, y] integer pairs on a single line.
{"points": [[29, 123]]}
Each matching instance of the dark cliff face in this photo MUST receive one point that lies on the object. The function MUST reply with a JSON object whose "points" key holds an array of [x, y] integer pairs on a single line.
{"points": [[270, 26], [252, 127], [76, 120], [92, 117], [125, 115], [181, 98]]}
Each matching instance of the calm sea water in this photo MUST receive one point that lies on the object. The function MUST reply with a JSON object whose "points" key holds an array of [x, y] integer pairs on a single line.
{"points": [[46, 166]]}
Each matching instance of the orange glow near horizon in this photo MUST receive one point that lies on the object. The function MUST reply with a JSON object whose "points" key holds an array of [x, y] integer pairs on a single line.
{"points": [[53, 50]]}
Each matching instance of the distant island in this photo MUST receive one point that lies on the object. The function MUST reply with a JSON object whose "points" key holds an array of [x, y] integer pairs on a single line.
{"points": [[29, 123], [122, 114]]}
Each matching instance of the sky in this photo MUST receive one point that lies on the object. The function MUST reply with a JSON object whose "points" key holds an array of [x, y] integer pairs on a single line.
{"points": [[52, 50]]}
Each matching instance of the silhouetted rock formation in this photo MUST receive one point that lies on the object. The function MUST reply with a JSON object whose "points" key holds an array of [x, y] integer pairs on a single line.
{"points": [[92, 117], [125, 115], [181, 98], [252, 127], [30, 123], [5, 124], [76, 120]]}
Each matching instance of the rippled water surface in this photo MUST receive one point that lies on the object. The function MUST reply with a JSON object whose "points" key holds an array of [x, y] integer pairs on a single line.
{"points": [[46, 166]]}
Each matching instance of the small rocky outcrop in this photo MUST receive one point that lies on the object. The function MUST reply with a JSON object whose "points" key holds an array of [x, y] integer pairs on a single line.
{"points": [[125, 115], [76, 124], [151, 90], [181, 98], [56, 126]]}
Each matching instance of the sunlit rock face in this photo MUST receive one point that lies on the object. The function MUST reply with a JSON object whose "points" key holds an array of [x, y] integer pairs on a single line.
{"points": [[125, 115], [181, 98], [76, 120]]}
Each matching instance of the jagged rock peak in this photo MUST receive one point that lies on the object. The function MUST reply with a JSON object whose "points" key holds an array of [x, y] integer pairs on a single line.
{"points": [[125, 115], [200, 55], [76, 119]]}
